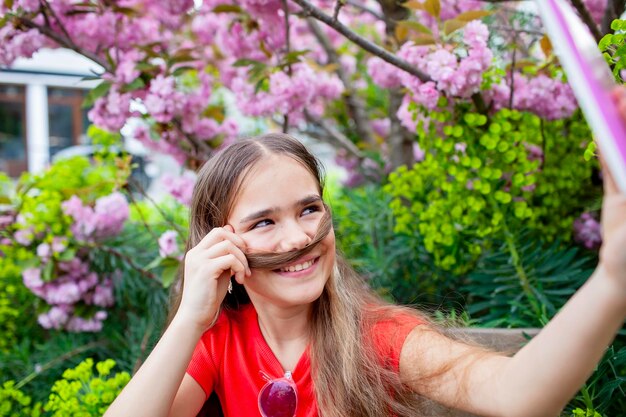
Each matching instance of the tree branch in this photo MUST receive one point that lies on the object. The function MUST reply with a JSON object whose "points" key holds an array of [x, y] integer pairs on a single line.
{"points": [[63, 41], [334, 135], [356, 108], [359, 6], [288, 50], [372, 48]]}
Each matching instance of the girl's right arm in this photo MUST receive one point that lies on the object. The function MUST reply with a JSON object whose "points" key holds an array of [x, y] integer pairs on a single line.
{"points": [[161, 388]]}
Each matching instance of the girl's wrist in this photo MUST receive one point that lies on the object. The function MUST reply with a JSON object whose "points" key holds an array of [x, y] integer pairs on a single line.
{"points": [[188, 324], [613, 283]]}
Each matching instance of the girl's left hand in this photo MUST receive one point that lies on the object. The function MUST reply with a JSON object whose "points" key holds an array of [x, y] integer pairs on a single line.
{"points": [[613, 252]]}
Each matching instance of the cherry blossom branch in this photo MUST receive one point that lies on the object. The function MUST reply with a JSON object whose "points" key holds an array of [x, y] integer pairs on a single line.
{"points": [[359, 6], [333, 134], [318, 14], [197, 144], [45, 6], [63, 41], [288, 50], [354, 104], [338, 5], [370, 47]]}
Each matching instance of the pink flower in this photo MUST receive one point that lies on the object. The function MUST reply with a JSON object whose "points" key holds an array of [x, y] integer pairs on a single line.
{"points": [[59, 244], [418, 153], [181, 187], [111, 111], [55, 318], [103, 295], [381, 126], [23, 236], [587, 230], [383, 73], [43, 251], [167, 244], [32, 278]]}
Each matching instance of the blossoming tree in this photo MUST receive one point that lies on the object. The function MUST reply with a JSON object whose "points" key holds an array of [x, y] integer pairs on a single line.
{"points": [[380, 80]]}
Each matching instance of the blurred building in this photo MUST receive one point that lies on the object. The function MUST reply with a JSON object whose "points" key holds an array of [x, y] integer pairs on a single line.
{"points": [[41, 108]]}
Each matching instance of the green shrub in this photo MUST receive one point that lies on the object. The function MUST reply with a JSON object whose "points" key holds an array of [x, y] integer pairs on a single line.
{"points": [[81, 393], [480, 178], [14, 403]]}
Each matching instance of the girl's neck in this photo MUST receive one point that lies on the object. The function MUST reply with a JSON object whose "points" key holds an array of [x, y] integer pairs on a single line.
{"points": [[283, 325], [286, 331]]}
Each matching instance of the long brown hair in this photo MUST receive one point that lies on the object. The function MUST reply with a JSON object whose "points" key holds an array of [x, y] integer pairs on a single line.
{"points": [[349, 377]]}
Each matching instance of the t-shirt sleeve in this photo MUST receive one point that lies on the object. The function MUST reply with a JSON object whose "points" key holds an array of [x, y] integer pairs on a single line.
{"points": [[389, 334], [206, 356]]}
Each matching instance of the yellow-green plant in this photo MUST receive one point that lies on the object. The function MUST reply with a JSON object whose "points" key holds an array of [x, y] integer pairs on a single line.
{"points": [[14, 403], [482, 178], [81, 393]]}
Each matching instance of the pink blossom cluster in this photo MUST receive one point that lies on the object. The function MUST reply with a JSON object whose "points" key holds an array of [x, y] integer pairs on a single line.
{"points": [[112, 110], [168, 245], [596, 8], [587, 230], [454, 72], [180, 187], [547, 97], [104, 220], [452, 8], [288, 94], [15, 45], [75, 284]]}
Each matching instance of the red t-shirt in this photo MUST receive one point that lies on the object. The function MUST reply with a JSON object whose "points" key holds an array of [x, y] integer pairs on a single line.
{"points": [[230, 357]]}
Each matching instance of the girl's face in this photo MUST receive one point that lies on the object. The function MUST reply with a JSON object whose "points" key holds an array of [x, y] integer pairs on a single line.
{"points": [[278, 209]]}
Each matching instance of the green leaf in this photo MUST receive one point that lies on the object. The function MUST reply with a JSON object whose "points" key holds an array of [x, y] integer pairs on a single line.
{"points": [[404, 27], [244, 62], [67, 255], [46, 273], [99, 91], [169, 275], [473, 15], [156, 262], [433, 8], [413, 5], [293, 57], [227, 8], [423, 39], [452, 25], [137, 84]]}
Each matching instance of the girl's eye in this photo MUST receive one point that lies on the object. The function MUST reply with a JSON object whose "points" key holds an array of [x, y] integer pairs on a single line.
{"points": [[311, 209], [262, 223]]}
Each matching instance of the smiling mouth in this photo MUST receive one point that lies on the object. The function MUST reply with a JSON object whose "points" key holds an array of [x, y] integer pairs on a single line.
{"points": [[299, 267]]}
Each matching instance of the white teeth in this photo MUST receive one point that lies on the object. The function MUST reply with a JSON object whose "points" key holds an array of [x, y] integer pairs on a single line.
{"points": [[299, 267]]}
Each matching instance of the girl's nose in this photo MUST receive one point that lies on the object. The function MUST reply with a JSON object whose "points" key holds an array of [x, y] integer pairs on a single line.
{"points": [[294, 237]]}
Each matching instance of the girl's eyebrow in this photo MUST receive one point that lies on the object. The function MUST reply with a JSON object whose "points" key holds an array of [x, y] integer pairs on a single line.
{"points": [[313, 198]]}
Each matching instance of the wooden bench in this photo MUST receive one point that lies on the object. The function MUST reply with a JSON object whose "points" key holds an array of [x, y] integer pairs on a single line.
{"points": [[502, 340]]}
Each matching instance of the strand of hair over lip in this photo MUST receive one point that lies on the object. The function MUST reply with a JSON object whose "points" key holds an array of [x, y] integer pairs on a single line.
{"points": [[270, 260]]}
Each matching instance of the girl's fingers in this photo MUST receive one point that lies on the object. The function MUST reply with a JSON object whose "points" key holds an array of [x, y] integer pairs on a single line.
{"points": [[230, 263], [224, 248], [219, 234]]}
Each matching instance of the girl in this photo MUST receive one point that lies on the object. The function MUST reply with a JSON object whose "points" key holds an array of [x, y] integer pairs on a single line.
{"points": [[268, 316]]}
